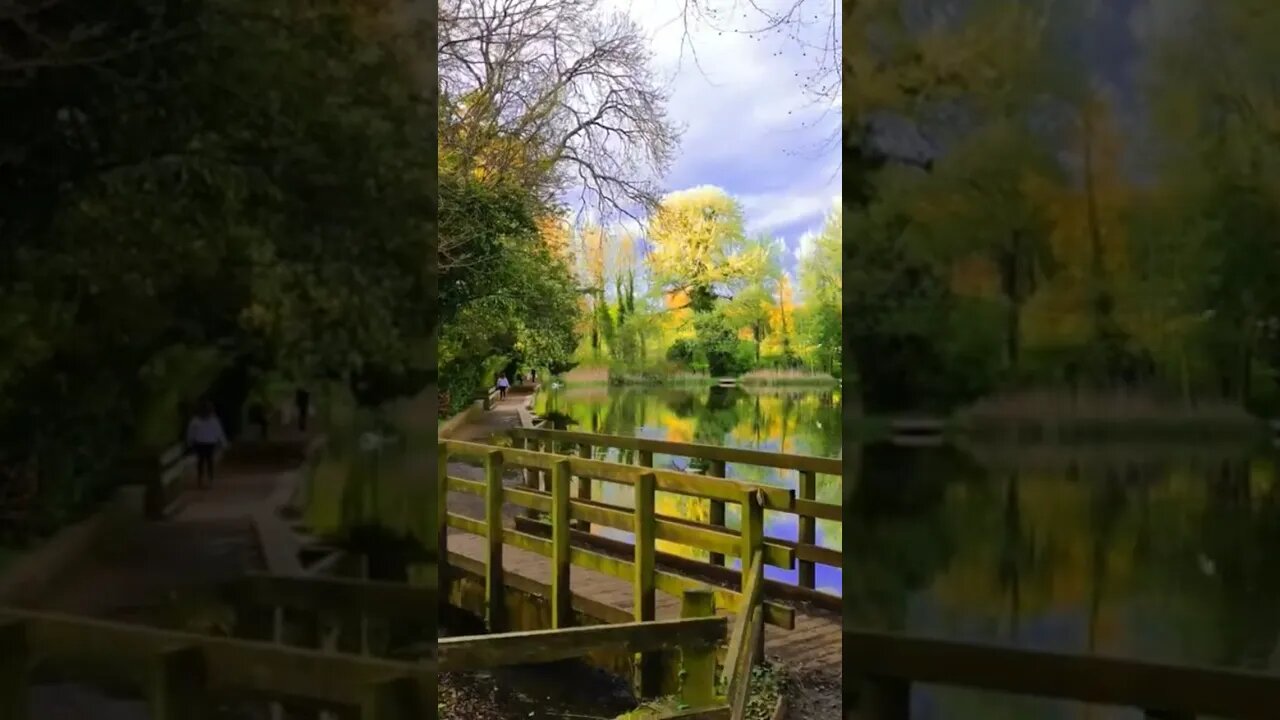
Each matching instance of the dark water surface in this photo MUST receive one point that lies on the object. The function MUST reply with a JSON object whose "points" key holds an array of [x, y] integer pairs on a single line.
{"points": [[1159, 552]]}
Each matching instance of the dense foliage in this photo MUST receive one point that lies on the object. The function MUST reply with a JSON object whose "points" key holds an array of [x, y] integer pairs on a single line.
{"points": [[694, 292], [195, 196], [1022, 216]]}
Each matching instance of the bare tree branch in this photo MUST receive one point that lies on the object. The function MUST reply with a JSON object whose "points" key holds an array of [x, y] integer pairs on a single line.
{"points": [[557, 95]]}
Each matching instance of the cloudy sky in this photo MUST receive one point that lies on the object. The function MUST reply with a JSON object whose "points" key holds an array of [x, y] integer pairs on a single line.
{"points": [[749, 126]]}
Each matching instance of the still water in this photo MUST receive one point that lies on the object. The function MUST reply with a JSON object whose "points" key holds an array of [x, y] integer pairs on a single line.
{"points": [[800, 421], [1162, 552]]}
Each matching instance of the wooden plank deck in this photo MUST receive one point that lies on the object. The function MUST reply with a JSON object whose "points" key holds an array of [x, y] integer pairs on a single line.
{"points": [[814, 644]]}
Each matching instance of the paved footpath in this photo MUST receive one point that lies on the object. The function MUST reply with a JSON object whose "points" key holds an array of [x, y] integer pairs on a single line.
{"points": [[154, 575]]}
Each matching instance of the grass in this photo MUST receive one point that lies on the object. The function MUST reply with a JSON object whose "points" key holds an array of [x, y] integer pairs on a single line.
{"points": [[787, 377]]}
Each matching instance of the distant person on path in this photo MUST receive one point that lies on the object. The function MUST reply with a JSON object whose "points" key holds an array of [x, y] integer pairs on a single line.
{"points": [[302, 401], [520, 378], [533, 375], [503, 384], [204, 437]]}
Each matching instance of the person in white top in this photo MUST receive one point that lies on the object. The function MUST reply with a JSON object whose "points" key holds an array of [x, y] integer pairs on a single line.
{"points": [[204, 437], [503, 384]]}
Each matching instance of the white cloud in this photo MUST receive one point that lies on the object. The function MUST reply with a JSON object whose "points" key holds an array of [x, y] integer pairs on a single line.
{"points": [[750, 127]]}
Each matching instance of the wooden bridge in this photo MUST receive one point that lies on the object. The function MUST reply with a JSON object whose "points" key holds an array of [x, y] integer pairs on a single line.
{"points": [[605, 569]]}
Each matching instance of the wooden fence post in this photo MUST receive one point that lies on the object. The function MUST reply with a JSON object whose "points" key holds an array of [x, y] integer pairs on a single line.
{"points": [[561, 591], [442, 517], [584, 484], [698, 664], [716, 518], [644, 586], [15, 659], [752, 543], [177, 684], [881, 698], [495, 596], [808, 530]]}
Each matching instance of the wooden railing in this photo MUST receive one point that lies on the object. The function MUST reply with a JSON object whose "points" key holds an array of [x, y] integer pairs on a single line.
{"points": [[642, 520], [696, 636], [178, 673], [879, 669], [803, 505]]}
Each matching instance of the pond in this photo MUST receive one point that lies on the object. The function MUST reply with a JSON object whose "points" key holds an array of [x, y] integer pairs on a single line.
{"points": [[804, 421], [1155, 552]]}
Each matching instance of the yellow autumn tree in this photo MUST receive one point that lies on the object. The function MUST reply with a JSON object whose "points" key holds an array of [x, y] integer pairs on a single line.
{"points": [[699, 249]]}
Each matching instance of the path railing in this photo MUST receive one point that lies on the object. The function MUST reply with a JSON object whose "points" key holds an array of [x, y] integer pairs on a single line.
{"points": [[642, 520], [880, 669], [696, 636], [179, 673], [803, 505]]}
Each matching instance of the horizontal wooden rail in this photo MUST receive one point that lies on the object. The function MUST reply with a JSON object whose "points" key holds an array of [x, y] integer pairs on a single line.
{"points": [[671, 529], [181, 668], [744, 456], [886, 664], [490, 651], [711, 488], [802, 503], [671, 583]]}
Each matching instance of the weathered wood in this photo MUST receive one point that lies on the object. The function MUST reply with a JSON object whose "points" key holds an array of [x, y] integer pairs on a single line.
{"points": [[775, 498], [644, 586], [773, 589], [561, 593], [442, 509], [15, 661], [110, 652], [740, 641], [785, 461], [667, 582], [698, 663], [779, 553], [1189, 690], [175, 689], [807, 527], [818, 510], [493, 593], [715, 517], [753, 547], [740, 688], [541, 646]]}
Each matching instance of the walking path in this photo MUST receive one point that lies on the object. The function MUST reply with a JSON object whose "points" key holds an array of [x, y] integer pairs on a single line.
{"points": [[811, 651], [155, 574]]}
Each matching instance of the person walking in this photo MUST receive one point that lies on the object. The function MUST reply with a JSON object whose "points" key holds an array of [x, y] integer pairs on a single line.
{"points": [[302, 403], [503, 384], [204, 437]]}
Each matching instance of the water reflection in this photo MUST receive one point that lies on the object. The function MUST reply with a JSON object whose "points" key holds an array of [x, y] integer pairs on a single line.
{"points": [[801, 421], [1161, 553]]}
